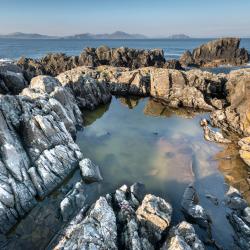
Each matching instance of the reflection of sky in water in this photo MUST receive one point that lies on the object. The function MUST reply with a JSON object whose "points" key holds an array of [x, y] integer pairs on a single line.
{"points": [[164, 150]]}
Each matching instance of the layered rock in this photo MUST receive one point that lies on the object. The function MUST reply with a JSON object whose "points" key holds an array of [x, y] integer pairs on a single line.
{"points": [[37, 148], [223, 51]]}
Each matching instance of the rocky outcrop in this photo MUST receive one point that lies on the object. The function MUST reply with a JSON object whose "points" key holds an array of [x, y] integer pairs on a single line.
{"points": [[236, 117], [122, 220], [37, 149], [173, 64], [121, 57], [12, 80], [223, 51]]}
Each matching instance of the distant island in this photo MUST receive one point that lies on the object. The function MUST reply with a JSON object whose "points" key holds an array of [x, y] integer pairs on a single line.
{"points": [[89, 36], [179, 36]]}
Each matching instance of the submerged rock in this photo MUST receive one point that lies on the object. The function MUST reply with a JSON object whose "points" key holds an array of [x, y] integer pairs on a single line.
{"points": [[73, 202], [218, 52], [193, 211], [90, 171]]}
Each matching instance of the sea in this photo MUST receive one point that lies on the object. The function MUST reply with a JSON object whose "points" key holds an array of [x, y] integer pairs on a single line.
{"points": [[12, 49]]}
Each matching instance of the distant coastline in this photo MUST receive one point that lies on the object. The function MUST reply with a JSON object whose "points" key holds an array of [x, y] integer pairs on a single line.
{"points": [[89, 36]]}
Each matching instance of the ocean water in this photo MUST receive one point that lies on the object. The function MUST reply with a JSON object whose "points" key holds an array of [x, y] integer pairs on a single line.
{"points": [[15, 48]]}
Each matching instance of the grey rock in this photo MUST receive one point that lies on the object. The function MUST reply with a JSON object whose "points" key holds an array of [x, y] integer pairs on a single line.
{"points": [[97, 230], [192, 210], [90, 171], [73, 202], [234, 199], [154, 215], [183, 237]]}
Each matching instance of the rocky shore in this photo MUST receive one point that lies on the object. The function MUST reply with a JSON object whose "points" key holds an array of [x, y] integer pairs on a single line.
{"points": [[40, 112]]}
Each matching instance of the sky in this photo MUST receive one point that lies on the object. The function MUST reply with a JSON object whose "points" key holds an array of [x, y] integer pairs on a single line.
{"points": [[154, 18]]}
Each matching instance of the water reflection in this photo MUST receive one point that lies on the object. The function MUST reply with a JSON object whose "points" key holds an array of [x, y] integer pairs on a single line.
{"points": [[143, 140]]}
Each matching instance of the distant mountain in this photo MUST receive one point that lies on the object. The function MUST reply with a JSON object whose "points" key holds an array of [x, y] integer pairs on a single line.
{"points": [[115, 35], [20, 35], [179, 36]]}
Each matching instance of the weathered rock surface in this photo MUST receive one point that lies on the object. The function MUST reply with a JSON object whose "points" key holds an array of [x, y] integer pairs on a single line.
{"points": [[191, 208], [37, 150], [119, 221], [88, 92], [239, 217], [244, 144], [236, 117], [223, 51], [12, 80], [90, 171], [183, 237], [74, 201]]}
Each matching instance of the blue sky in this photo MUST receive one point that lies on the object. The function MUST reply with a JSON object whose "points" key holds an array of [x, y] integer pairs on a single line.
{"points": [[198, 18]]}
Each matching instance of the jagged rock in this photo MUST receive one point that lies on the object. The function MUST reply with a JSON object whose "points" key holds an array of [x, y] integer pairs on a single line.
{"points": [[73, 202], [183, 237], [177, 88], [121, 57], [192, 210], [234, 199], [187, 59], [173, 64], [244, 144], [246, 214], [138, 191], [90, 171], [97, 230], [242, 230], [88, 92], [236, 117], [51, 64], [154, 216], [217, 52], [37, 150], [211, 135], [11, 79]]}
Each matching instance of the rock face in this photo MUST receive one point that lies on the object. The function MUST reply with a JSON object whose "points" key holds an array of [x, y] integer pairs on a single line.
{"points": [[37, 149], [12, 80], [244, 143], [236, 117], [214, 53]]}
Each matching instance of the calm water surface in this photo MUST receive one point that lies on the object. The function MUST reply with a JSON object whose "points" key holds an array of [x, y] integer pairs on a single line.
{"points": [[136, 140]]}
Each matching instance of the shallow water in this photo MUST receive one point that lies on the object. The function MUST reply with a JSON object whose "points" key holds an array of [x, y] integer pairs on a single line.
{"points": [[140, 140]]}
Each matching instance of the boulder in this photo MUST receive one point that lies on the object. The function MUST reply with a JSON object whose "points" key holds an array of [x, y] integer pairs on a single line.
{"points": [[12, 80], [90, 171], [173, 64], [183, 237], [218, 52], [154, 215]]}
